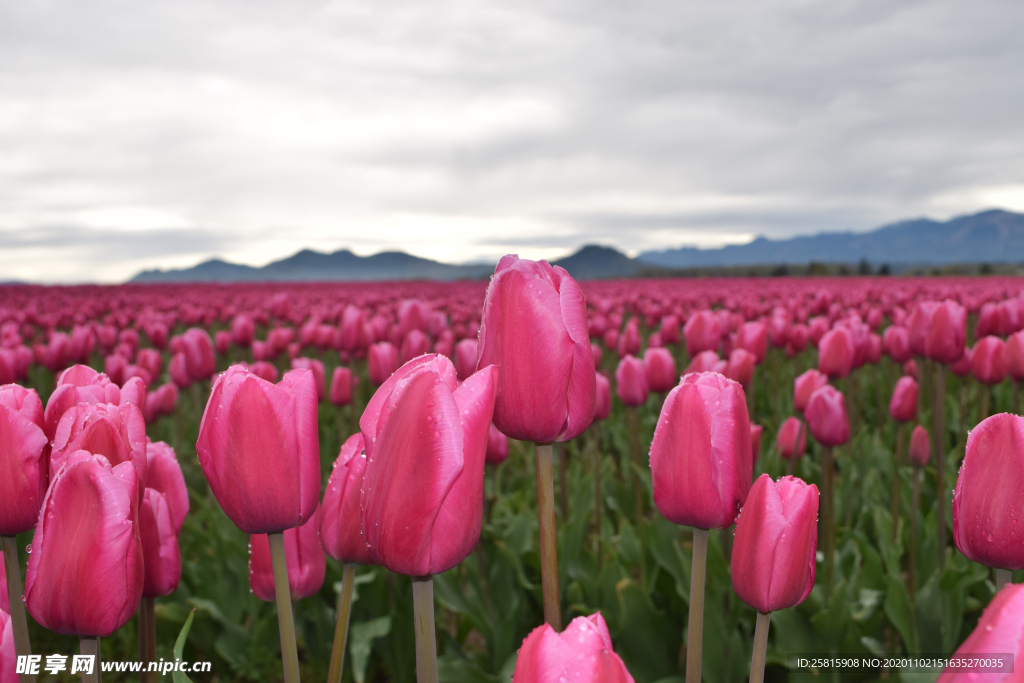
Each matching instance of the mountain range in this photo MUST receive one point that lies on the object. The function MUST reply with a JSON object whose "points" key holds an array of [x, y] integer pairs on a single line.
{"points": [[993, 236]]}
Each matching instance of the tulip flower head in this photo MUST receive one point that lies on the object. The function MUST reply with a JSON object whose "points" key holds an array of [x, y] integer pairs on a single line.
{"points": [[987, 360], [307, 564], [603, 400], [903, 406], [660, 369], [24, 474], [826, 416], [836, 352], [163, 474], [342, 384], [701, 463], [631, 382], [116, 432], [340, 532], [791, 441], [920, 446], [582, 652], [159, 538], [497, 446], [1000, 629], [382, 362], [805, 385]]}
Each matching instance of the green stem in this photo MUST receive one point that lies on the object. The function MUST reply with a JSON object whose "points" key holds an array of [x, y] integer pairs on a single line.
{"points": [[634, 457], [897, 458], [940, 459], [915, 506], [563, 486], [548, 539], [985, 391], [341, 627], [1003, 577], [147, 639], [19, 624], [695, 637], [597, 497], [423, 615], [760, 647], [91, 646], [285, 616], [828, 519]]}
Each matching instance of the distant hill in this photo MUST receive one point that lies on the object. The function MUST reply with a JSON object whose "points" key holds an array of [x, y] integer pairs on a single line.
{"points": [[989, 237]]}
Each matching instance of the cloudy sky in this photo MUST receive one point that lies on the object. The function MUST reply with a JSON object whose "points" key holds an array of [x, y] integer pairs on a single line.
{"points": [[154, 134]]}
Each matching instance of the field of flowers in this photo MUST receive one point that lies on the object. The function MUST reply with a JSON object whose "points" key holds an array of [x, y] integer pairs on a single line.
{"points": [[866, 388]]}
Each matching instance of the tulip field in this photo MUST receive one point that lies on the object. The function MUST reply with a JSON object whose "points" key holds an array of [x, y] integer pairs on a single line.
{"points": [[527, 480]]}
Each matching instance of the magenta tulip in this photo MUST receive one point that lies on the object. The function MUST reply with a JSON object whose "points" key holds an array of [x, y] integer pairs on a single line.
{"points": [[629, 340], [24, 472], [534, 328], [756, 431], [596, 350], [741, 367], [177, 369], [200, 362], [896, 343], [465, 358], [151, 361], [772, 563], [791, 441], [161, 401], [160, 551], [243, 330], [116, 432], [989, 494], [382, 362], [826, 416], [805, 385], [701, 455], [426, 442], [1013, 355], [753, 337], [78, 384], [962, 367], [702, 332], [342, 384], [947, 327], [704, 361], [259, 449], [222, 342], [1000, 630], [603, 400], [415, 344], [307, 564], [497, 446], [319, 375], [163, 474], [582, 653], [903, 405], [631, 382], [920, 446], [987, 362], [910, 369], [85, 573], [353, 334], [264, 370], [660, 369], [340, 532], [836, 353]]}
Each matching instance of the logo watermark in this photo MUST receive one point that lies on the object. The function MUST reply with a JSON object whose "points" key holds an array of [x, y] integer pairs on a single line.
{"points": [[54, 664]]}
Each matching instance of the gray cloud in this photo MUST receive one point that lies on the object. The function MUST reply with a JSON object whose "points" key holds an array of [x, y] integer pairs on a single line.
{"points": [[156, 133]]}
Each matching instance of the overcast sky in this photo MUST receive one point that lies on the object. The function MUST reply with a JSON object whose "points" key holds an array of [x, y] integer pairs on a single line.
{"points": [[145, 134]]}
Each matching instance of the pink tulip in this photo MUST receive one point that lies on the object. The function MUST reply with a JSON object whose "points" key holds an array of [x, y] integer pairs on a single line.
{"points": [[903, 405], [756, 431], [753, 337], [920, 447], [835, 353], [264, 370], [631, 382], [817, 327], [465, 358], [669, 329], [85, 573], [581, 653], [383, 362], [704, 361], [596, 350], [116, 432], [603, 400], [160, 402], [163, 474], [426, 442], [791, 441], [8, 655], [78, 384], [259, 449], [200, 362], [151, 361], [702, 332], [962, 367], [741, 367], [947, 327], [805, 385], [660, 369], [611, 338], [910, 369], [1013, 356], [178, 371], [342, 384], [243, 329], [497, 447], [701, 455], [1000, 630], [987, 363], [799, 337], [222, 342], [896, 343], [629, 340], [826, 416], [319, 375], [162, 558], [989, 494], [340, 533], [353, 336], [134, 392], [415, 344], [307, 564], [534, 328], [24, 473], [773, 551]]}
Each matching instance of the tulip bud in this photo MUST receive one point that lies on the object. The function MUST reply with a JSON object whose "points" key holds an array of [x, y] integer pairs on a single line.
{"points": [[340, 533], [741, 367], [342, 383], [660, 369], [896, 343], [151, 361], [920, 447], [903, 405], [987, 364], [77, 384], [497, 447], [161, 402], [178, 371], [426, 443], [773, 551], [989, 494], [319, 375], [791, 441], [116, 432], [702, 332], [534, 328], [582, 652], [465, 358], [631, 382], [753, 337], [307, 564], [200, 362], [382, 362], [596, 350], [163, 474], [222, 342], [799, 337], [826, 416], [259, 449], [755, 441], [947, 327], [910, 369], [160, 550], [603, 400], [1000, 629], [85, 573], [835, 352], [704, 361], [962, 367], [24, 474], [415, 344], [669, 329], [805, 385], [701, 455], [1013, 356]]}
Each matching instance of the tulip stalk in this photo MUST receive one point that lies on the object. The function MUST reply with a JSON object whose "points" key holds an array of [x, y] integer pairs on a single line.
{"points": [[19, 624], [548, 539], [341, 627], [634, 457], [91, 646], [1003, 577], [915, 505], [940, 459], [423, 615], [828, 517], [596, 444], [897, 457], [147, 639], [760, 653], [695, 635], [285, 616], [563, 484]]}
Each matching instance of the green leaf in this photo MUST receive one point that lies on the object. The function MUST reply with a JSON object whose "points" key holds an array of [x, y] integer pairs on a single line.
{"points": [[897, 608], [179, 648], [362, 636]]}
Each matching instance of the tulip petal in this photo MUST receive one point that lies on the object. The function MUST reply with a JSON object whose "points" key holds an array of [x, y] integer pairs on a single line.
{"points": [[23, 472]]}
